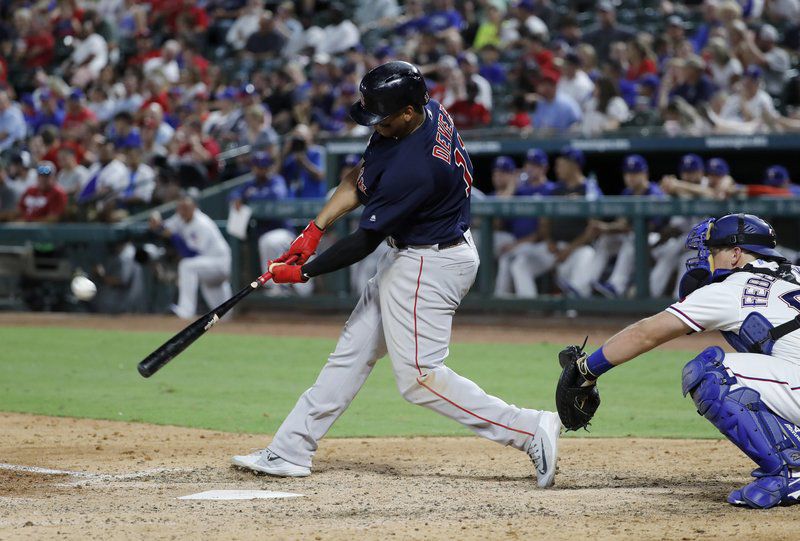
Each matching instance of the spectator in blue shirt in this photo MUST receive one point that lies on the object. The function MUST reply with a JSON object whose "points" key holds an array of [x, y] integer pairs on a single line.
{"points": [[50, 111], [304, 165], [491, 69], [556, 113], [12, 122]]}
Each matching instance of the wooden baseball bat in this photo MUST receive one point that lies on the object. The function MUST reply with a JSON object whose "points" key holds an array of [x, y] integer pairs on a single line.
{"points": [[175, 345]]}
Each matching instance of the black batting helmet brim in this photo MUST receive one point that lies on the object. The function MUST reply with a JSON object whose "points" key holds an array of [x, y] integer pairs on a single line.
{"points": [[361, 116]]}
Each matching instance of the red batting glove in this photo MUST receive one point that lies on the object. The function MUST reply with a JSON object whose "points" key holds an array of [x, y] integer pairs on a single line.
{"points": [[303, 246], [286, 274]]}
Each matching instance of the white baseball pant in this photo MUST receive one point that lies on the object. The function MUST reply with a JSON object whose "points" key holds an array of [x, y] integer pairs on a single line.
{"points": [[211, 275], [776, 380], [623, 245], [406, 309]]}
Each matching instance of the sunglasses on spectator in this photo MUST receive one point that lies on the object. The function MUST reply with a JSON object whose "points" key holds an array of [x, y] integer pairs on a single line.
{"points": [[45, 170]]}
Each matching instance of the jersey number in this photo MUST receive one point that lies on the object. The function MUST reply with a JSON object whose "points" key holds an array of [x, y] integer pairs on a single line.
{"points": [[462, 163], [792, 298]]}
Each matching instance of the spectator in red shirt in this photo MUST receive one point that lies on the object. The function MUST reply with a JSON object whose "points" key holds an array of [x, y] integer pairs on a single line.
{"points": [[640, 60], [40, 45], [468, 113], [520, 116], [78, 115], [45, 202]]}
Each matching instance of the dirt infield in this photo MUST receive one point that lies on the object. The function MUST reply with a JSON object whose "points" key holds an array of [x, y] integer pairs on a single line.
{"points": [[85, 479], [122, 480]]}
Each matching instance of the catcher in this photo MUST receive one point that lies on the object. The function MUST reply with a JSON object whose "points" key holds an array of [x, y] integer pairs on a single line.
{"points": [[740, 285]]}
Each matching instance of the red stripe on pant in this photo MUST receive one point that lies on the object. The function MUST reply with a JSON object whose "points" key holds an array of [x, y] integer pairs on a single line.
{"points": [[416, 360]]}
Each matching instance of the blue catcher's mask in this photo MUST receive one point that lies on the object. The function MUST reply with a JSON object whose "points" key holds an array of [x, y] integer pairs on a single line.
{"points": [[746, 231], [697, 240]]}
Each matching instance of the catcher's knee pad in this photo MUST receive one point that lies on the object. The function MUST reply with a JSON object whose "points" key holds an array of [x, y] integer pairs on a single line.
{"points": [[739, 414]]}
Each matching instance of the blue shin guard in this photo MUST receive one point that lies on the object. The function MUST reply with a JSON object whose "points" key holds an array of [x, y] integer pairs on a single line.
{"points": [[739, 414]]}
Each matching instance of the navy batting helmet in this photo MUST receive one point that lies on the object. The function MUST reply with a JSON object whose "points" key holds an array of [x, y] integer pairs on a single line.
{"points": [[386, 89], [746, 231]]}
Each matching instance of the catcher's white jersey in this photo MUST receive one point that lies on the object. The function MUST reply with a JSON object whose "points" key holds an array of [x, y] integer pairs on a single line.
{"points": [[724, 305]]}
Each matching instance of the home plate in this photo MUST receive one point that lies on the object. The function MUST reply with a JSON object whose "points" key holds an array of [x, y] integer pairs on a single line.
{"points": [[239, 495]]}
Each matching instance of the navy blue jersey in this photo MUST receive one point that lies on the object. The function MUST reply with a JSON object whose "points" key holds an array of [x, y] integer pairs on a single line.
{"points": [[522, 227], [417, 188]]}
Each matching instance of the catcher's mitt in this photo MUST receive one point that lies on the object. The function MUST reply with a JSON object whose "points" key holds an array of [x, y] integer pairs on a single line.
{"points": [[577, 398]]}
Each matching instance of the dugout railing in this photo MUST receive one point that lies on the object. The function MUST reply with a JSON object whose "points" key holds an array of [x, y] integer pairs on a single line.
{"points": [[84, 241]]}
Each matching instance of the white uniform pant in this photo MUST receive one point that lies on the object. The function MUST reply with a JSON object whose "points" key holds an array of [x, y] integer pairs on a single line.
{"points": [[361, 272], [210, 274], [406, 309], [670, 260], [574, 275], [621, 244], [272, 245], [776, 380]]}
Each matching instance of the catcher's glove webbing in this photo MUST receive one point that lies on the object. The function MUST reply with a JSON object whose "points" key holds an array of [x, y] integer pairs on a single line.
{"points": [[577, 398]]}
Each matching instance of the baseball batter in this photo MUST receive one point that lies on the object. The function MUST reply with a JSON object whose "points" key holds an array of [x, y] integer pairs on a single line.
{"points": [[414, 181], [742, 286]]}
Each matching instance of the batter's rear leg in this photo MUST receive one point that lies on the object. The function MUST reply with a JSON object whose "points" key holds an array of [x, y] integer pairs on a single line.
{"points": [[418, 298]]}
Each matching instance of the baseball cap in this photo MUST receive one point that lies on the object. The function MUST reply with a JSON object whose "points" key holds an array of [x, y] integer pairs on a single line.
{"points": [[76, 94], [46, 168], [768, 33], [468, 58], [261, 159], [606, 5], [675, 20], [549, 74], [634, 163], [717, 167], [753, 72], [573, 154], [226, 93], [132, 140], [777, 175], [650, 79], [504, 163], [351, 160], [536, 156], [691, 162]]}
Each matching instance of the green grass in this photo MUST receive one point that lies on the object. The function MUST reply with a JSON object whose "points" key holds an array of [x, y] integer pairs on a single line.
{"points": [[249, 383]]}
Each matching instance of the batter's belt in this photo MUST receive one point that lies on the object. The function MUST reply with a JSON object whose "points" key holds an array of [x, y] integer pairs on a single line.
{"points": [[457, 241]]}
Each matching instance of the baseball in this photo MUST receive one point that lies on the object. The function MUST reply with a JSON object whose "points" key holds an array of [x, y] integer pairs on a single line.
{"points": [[83, 288]]}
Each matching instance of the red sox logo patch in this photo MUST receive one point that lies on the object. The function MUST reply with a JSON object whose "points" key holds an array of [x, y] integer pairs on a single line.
{"points": [[362, 186]]}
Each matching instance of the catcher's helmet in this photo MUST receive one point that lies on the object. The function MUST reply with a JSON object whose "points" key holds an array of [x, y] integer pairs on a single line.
{"points": [[746, 231], [386, 90]]}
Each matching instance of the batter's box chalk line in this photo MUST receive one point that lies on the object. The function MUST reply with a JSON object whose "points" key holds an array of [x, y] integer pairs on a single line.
{"points": [[239, 495], [89, 476]]}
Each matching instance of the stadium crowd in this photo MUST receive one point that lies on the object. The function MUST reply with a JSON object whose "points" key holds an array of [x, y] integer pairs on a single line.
{"points": [[108, 107]]}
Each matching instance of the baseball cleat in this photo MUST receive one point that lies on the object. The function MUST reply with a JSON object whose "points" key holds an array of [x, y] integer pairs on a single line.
{"points": [[767, 491], [606, 290], [543, 449], [266, 461]]}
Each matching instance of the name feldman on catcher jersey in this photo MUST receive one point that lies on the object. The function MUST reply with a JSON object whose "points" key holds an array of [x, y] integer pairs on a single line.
{"points": [[418, 191], [724, 306]]}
